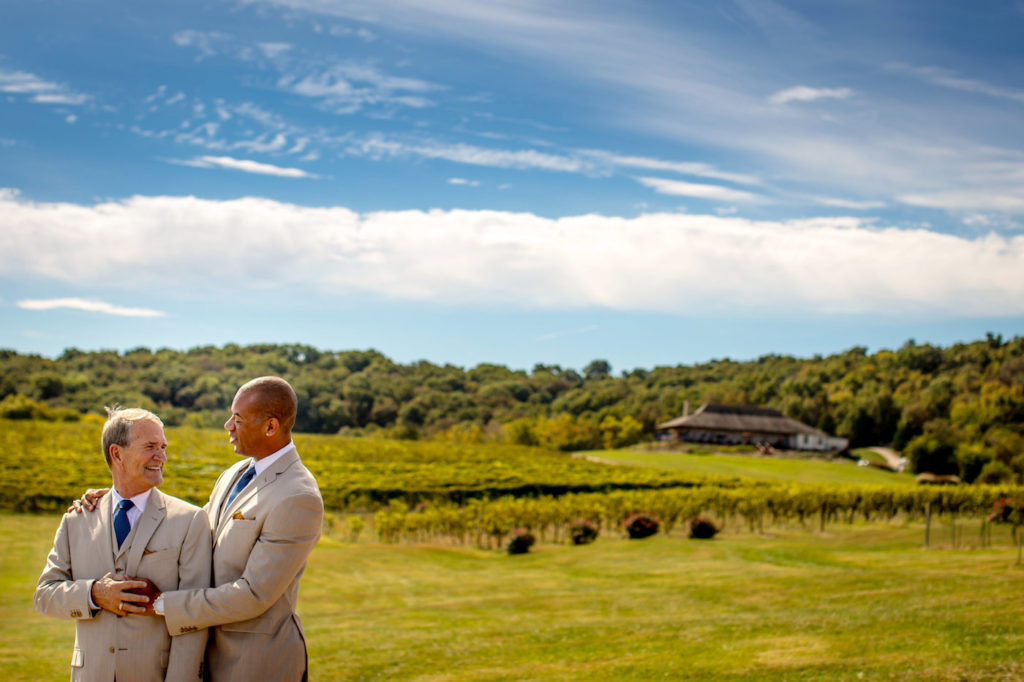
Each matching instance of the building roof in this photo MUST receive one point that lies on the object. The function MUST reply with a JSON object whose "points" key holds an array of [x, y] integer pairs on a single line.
{"points": [[740, 418]]}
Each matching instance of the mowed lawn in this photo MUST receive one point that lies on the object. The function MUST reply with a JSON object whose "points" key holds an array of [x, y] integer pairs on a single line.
{"points": [[859, 602], [752, 466]]}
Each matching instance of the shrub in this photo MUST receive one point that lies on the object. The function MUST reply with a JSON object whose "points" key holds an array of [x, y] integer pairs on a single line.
{"points": [[355, 526], [702, 528], [520, 541], [583, 532], [640, 526], [995, 473]]}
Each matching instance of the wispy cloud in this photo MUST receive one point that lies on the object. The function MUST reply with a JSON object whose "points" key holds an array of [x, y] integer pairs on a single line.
{"points": [[348, 88], [850, 203], [949, 79], [463, 181], [802, 93], [469, 154], [698, 191], [655, 262], [244, 165], [967, 201], [87, 306], [704, 170], [272, 50], [208, 43], [39, 90]]}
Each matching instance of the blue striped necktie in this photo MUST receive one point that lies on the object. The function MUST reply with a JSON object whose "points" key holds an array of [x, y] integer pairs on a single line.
{"points": [[242, 482], [121, 524]]}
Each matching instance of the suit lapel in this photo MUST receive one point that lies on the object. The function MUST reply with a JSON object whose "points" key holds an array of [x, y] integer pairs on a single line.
{"points": [[259, 483], [106, 533], [144, 529], [221, 492]]}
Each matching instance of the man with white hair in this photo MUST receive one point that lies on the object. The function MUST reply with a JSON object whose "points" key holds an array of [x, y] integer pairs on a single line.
{"points": [[138, 531]]}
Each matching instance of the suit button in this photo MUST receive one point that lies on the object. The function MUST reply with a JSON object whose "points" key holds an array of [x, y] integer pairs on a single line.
{"points": [[111, 649]]}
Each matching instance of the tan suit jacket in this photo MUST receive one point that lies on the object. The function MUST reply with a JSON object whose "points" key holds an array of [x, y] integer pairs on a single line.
{"points": [[170, 545], [260, 545]]}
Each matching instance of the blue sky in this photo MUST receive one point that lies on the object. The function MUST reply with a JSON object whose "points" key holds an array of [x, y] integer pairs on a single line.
{"points": [[512, 182]]}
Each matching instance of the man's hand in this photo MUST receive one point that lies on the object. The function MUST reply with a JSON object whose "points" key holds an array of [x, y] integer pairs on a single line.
{"points": [[113, 593], [150, 591], [90, 498]]}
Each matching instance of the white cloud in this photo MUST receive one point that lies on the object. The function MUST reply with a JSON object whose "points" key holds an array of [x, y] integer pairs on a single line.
{"points": [[691, 189], [272, 50], [463, 181], [41, 91], [87, 306], [378, 147], [209, 43], [348, 88], [70, 118], [245, 165], [850, 203], [980, 200], [704, 170], [802, 93], [669, 263]]}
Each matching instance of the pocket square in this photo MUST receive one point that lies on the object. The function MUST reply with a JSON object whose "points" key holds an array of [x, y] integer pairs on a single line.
{"points": [[148, 551], [238, 515]]}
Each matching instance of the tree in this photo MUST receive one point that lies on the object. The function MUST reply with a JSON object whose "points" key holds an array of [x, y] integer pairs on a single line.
{"points": [[597, 369]]}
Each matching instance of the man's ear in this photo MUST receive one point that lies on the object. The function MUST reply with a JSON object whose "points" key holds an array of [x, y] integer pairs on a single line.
{"points": [[272, 426], [115, 453]]}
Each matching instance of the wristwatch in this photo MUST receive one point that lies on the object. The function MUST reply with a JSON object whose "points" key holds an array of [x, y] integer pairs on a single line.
{"points": [[158, 605]]}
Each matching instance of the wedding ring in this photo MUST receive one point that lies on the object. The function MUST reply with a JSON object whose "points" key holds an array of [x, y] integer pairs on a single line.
{"points": [[120, 606]]}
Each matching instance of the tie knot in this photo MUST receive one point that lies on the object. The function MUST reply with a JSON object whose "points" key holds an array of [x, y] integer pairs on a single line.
{"points": [[125, 505]]}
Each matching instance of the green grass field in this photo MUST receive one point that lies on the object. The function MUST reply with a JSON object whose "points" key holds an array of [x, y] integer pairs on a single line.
{"points": [[749, 466], [860, 602]]}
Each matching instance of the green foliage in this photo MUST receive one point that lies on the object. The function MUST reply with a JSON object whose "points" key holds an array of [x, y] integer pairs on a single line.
{"points": [[44, 465], [995, 473], [617, 433], [885, 397], [17, 406]]}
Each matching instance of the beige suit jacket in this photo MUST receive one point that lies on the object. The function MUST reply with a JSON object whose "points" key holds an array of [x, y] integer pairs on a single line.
{"points": [[260, 545], [170, 545]]}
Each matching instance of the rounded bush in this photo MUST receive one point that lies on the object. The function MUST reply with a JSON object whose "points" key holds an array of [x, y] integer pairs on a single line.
{"points": [[519, 541], [583, 532], [640, 526], [702, 528]]}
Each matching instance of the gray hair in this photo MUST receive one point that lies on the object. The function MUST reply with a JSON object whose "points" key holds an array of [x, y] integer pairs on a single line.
{"points": [[118, 429]]}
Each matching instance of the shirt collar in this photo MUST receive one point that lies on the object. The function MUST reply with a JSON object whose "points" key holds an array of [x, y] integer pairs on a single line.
{"points": [[139, 500], [264, 464]]}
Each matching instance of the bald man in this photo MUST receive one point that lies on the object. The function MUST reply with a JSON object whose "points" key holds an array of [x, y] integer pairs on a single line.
{"points": [[266, 513]]}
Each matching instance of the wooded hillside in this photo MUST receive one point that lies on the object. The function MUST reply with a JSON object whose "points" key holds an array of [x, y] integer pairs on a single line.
{"points": [[952, 410]]}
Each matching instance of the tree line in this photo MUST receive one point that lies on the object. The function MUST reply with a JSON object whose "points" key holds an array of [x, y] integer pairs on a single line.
{"points": [[956, 409]]}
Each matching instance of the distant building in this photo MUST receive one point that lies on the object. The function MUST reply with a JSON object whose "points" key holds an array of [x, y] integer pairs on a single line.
{"points": [[742, 424]]}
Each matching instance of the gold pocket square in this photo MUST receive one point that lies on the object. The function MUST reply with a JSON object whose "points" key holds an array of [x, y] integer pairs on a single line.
{"points": [[148, 551], [238, 515]]}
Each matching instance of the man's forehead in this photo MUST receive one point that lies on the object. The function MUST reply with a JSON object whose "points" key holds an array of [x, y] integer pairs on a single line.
{"points": [[148, 430], [244, 400]]}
